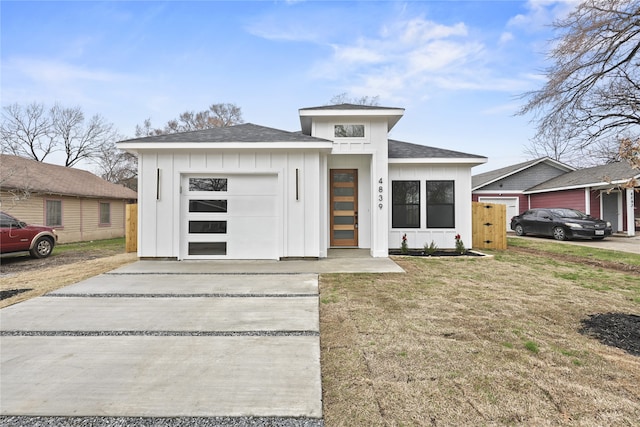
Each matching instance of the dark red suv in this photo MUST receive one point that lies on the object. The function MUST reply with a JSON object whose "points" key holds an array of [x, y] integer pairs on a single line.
{"points": [[17, 236]]}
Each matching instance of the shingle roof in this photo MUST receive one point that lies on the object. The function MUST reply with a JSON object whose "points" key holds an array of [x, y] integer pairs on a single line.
{"points": [[247, 132], [611, 173], [407, 150], [350, 107], [21, 173], [491, 176]]}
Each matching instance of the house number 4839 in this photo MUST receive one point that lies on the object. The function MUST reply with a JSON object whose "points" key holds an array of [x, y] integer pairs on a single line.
{"points": [[380, 196]]}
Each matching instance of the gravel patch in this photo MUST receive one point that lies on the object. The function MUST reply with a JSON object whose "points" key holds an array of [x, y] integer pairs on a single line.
{"points": [[160, 333], [9, 421]]}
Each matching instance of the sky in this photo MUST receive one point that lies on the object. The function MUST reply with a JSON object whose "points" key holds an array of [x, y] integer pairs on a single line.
{"points": [[457, 67]]}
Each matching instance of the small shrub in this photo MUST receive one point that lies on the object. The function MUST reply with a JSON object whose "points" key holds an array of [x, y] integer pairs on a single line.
{"points": [[404, 248], [460, 245], [431, 248]]}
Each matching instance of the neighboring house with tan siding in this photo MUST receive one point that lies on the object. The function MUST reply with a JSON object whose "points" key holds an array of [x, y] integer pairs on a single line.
{"points": [[80, 205]]}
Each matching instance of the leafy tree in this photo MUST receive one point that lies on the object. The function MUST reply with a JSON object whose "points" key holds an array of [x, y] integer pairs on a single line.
{"points": [[218, 115], [35, 132], [590, 102]]}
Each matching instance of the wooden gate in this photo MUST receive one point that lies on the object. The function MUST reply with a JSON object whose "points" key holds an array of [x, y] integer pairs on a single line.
{"points": [[131, 232], [488, 226]]}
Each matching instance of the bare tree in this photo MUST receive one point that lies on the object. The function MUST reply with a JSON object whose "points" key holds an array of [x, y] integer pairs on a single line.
{"points": [[218, 115], [26, 131], [35, 132], [78, 140], [117, 166], [592, 93], [344, 98]]}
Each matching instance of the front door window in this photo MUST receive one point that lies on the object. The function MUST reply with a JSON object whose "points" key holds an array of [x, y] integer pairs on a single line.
{"points": [[344, 207]]}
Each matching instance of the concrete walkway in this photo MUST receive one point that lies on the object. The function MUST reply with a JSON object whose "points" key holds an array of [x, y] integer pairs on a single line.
{"points": [[172, 339]]}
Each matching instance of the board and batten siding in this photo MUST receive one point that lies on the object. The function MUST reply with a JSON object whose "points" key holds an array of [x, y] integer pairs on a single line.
{"points": [[443, 238], [80, 216], [159, 227]]}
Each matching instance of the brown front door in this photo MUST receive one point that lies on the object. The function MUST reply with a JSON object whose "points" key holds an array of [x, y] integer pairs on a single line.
{"points": [[344, 207]]}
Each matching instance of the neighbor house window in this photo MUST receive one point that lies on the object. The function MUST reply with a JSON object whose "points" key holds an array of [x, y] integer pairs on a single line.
{"points": [[348, 131], [53, 213], [405, 210], [105, 213], [440, 204], [207, 184]]}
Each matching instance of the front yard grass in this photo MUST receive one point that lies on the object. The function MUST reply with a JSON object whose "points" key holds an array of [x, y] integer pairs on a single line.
{"points": [[478, 341]]}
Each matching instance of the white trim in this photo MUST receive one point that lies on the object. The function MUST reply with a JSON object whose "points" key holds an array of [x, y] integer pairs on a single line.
{"points": [[631, 221], [444, 160], [618, 208], [587, 200], [197, 146], [593, 184], [498, 193]]}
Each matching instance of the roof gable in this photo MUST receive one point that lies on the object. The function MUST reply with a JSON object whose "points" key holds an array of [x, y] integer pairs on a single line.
{"points": [[486, 178], [39, 177]]}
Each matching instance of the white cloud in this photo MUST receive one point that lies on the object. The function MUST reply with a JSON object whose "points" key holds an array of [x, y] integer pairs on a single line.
{"points": [[506, 37], [52, 72], [542, 13]]}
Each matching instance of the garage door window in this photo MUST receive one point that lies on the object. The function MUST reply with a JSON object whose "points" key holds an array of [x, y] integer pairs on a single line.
{"points": [[211, 206], [207, 184], [207, 248], [207, 227]]}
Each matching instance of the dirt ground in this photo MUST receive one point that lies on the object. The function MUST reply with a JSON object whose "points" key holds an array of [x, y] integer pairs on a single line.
{"points": [[22, 277]]}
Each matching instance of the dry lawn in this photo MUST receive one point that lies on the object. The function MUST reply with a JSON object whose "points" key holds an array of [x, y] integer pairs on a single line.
{"points": [[477, 341], [51, 277]]}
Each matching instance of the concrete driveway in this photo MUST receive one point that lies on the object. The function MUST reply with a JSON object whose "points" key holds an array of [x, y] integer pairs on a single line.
{"points": [[171, 339], [614, 243]]}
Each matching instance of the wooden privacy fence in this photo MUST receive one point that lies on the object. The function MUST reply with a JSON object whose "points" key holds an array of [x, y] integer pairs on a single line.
{"points": [[131, 231], [489, 231]]}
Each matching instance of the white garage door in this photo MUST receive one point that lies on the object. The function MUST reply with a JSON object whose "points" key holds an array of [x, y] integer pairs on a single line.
{"points": [[510, 202], [230, 217]]}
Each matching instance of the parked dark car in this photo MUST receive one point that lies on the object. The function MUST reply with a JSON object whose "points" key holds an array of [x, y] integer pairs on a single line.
{"points": [[17, 236], [561, 224]]}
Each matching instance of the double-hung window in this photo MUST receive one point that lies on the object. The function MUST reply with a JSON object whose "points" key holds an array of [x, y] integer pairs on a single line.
{"points": [[405, 211], [440, 204]]}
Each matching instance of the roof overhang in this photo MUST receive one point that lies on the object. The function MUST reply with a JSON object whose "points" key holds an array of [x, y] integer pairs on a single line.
{"points": [[473, 161], [393, 115], [137, 147], [602, 184]]}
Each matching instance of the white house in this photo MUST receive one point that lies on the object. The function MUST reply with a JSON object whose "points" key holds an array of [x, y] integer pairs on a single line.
{"points": [[253, 192]]}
